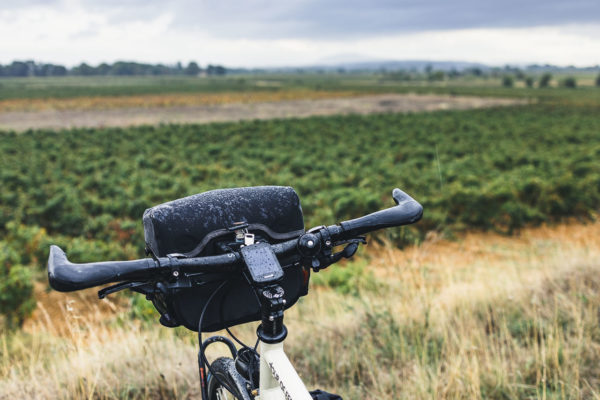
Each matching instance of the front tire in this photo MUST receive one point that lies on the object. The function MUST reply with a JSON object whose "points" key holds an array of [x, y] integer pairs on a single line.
{"points": [[224, 369]]}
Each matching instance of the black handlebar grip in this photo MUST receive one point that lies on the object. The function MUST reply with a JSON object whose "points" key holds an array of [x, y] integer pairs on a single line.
{"points": [[407, 211], [66, 276]]}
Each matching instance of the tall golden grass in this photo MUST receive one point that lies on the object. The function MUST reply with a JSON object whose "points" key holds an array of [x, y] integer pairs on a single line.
{"points": [[484, 316], [166, 100]]}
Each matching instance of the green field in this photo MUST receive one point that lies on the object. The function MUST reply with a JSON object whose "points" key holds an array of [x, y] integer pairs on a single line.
{"points": [[68, 87], [496, 169]]}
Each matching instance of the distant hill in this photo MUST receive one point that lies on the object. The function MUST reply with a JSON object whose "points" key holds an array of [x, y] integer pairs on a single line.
{"points": [[380, 65], [417, 65], [330, 65]]}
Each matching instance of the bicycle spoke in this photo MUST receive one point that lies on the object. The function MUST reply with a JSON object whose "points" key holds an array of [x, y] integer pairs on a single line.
{"points": [[223, 394]]}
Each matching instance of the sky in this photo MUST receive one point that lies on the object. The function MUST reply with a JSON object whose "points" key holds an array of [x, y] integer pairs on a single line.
{"points": [[267, 33]]}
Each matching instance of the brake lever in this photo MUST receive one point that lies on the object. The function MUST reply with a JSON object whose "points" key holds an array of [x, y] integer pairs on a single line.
{"points": [[357, 239], [102, 293], [327, 258], [349, 250]]}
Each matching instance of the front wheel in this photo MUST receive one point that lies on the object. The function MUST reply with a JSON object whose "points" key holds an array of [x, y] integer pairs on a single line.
{"points": [[224, 369]]}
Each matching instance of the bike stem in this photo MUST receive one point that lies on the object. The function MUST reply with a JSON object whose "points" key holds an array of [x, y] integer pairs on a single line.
{"points": [[272, 330], [278, 378]]}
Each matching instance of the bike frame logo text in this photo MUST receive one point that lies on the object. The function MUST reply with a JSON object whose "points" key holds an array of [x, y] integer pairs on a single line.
{"points": [[287, 395]]}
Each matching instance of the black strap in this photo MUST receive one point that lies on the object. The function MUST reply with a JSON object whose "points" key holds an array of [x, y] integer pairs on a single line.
{"points": [[256, 227]]}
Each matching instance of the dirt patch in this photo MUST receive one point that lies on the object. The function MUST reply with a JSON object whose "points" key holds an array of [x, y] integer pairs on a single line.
{"points": [[57, 119], [166, 100]]}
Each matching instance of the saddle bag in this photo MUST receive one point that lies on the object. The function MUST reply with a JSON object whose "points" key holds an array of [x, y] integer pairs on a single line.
{"points": [[202, 225]]}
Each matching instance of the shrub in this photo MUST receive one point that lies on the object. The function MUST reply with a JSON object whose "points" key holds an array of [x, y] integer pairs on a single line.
{"points": [[598, 80], [16, 289], [529, 81], [436, 76], [399, 76], [569, 82], [508, 81], [31, 242], [545, 80]]}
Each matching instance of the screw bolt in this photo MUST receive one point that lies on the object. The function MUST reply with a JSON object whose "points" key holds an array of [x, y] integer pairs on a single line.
{"points": [[310, 244], [328, 243], [175, 274]]}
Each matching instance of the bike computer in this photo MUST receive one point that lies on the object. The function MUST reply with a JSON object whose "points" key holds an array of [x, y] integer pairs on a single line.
{"points": [[262, 264]]}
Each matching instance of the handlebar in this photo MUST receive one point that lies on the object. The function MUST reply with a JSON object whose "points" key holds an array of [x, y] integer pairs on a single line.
{"points": [[66, 276], [406, 211]]}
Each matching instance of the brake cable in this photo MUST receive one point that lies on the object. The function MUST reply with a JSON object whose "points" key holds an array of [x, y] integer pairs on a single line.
{"points": [[201, 356]]}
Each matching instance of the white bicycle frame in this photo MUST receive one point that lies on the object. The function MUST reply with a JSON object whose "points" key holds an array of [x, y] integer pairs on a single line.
{"points": [[278, 378]]}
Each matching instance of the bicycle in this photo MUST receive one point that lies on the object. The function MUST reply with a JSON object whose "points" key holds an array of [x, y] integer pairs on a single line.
{"points": [[227, 257]]}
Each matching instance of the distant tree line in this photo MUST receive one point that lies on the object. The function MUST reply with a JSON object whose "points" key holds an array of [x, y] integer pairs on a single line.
{"points": [[508, 76], [119, 68]]}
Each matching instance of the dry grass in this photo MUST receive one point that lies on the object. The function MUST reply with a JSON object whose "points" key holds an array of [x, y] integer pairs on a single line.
{"points": [[165, 100], [485, 316]]}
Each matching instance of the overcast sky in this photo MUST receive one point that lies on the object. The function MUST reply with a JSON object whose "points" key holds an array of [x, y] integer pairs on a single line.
{"points": [[300, 32]]}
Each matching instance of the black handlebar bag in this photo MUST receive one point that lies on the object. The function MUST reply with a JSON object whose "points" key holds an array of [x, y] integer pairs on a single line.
{"points": [[202, 225]]}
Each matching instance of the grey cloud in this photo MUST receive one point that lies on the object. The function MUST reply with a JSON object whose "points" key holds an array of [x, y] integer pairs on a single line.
{"points": [[338, 19], [15, 4]]}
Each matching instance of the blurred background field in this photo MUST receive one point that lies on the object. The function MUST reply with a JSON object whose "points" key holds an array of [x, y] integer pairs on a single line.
{"points": [[494, 294], [474, 81]]}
